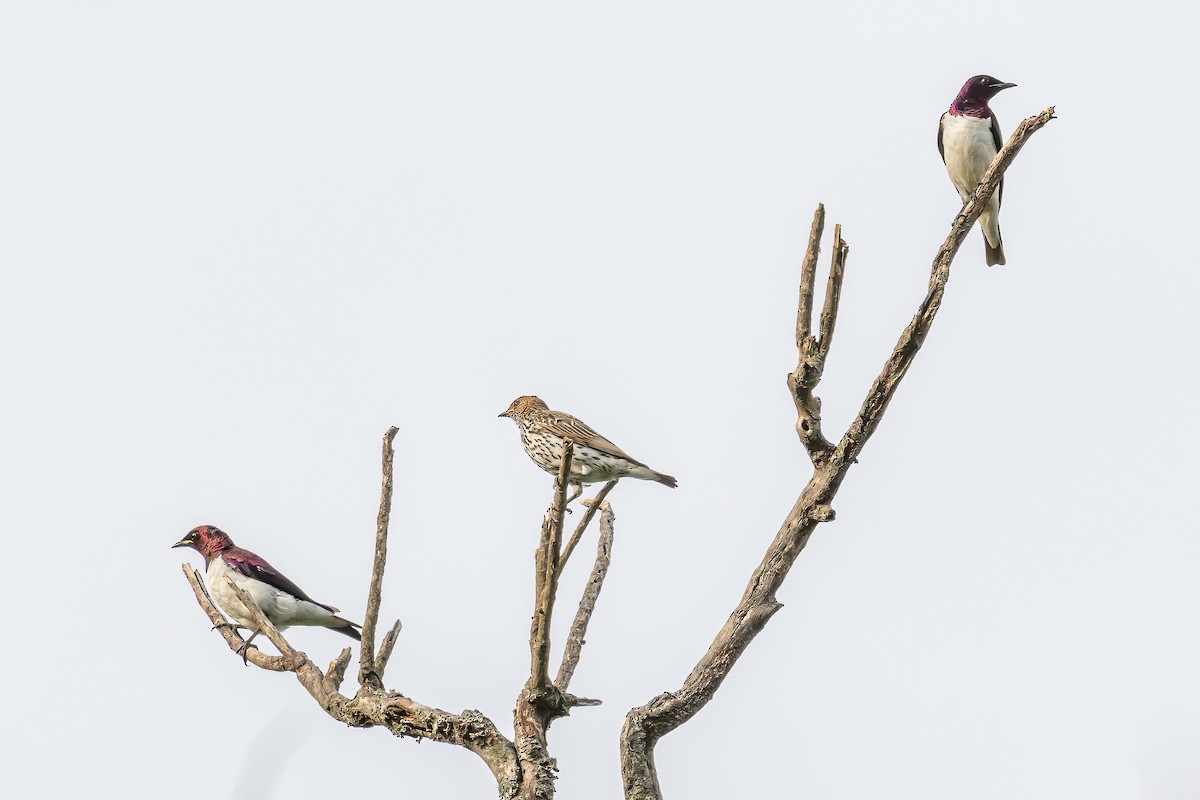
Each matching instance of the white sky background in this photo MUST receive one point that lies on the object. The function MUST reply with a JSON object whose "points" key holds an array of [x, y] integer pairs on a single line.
{"points": [[239, 240]]}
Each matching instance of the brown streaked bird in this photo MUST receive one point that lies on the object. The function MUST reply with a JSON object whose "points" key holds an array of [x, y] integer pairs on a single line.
{"points": [[595, 459]]}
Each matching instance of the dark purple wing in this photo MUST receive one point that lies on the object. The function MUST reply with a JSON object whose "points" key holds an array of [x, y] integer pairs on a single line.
{"points": [[999, 144], [253, 566], [941, 150]]}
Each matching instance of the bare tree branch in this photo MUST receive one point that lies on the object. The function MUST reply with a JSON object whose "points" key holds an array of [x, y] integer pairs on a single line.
{"points": [[368, 671], [235, 642], [914, 334], [540, 702], [546, 578], [833, 292], [591, 593], [592, 506], [372, 706], [645, 725], [813, 350]]}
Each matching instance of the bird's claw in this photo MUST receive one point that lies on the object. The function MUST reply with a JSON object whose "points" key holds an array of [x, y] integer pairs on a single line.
{"points": [[244, 652]]}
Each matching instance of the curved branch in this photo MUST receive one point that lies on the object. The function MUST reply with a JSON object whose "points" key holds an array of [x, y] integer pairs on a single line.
{"points": [[645, 725]]}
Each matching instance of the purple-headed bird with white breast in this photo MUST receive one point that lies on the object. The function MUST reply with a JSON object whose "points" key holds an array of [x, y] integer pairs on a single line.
{"points": [[283, 602], [595, 459], [969, 139]]}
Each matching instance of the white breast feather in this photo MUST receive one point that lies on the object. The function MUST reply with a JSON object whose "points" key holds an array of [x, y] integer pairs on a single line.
{"points": [[969, 149], [281, 608]]}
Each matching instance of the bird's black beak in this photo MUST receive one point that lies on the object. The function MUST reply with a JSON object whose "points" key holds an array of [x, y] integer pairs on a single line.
{"points": [[505, 414], [999, 86], [181, 543]]}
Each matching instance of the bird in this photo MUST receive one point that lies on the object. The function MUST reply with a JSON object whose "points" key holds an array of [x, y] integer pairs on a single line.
{"points": [[969, 139], [283, 602], [594, 459]]}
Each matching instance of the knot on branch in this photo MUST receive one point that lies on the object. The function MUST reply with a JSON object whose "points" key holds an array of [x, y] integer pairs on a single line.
{"points": [[548, 700], [822, 513]]}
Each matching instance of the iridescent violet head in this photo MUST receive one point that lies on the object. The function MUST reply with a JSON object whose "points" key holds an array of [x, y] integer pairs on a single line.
{"points": [[973, 98]]}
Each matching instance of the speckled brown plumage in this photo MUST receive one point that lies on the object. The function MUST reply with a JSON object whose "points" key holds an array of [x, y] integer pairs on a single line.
{"points": [[596, 459]]}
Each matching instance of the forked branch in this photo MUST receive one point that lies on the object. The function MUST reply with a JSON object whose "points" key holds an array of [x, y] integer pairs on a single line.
{"points": [[645, 725]]}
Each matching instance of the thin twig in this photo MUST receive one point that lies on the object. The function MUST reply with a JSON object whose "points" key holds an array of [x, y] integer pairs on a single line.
{"points": [[368, 670], [592, 506], [645, 725], [833, 292], [591, 592], [808, 272]]}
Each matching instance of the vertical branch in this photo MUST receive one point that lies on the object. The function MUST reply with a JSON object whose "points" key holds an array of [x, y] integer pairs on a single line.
{"points": [[368, 673], [813, 350], [546, 578], [808, 273], [540, 701], [833, 291]]}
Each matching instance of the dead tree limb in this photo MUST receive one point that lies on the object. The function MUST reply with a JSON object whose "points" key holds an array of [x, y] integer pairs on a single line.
{"points": [[593, 505], [591, 593], [521, 766], [645, 725], [369, 672], [540, 702], [372, 705]]}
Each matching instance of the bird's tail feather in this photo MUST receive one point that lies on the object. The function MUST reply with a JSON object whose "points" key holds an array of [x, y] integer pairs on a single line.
{"points": [[644, 473], [666, 480], [347, 627], [990, 226], [995, 255]]}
